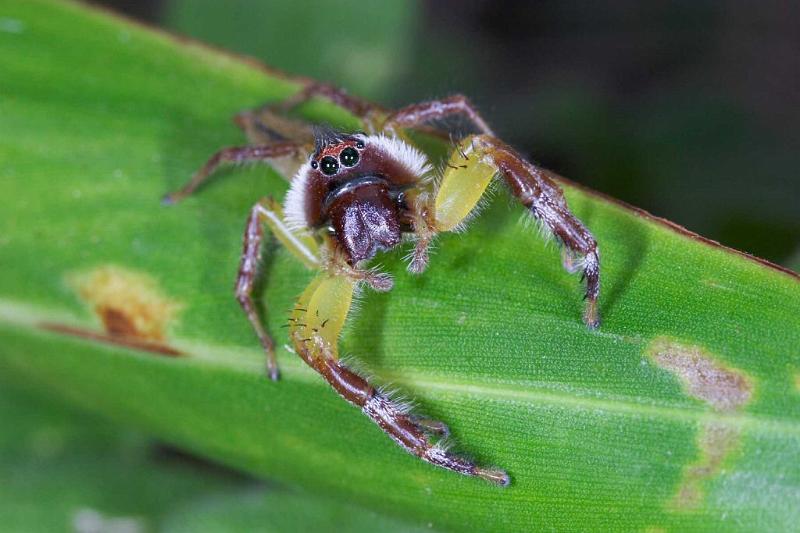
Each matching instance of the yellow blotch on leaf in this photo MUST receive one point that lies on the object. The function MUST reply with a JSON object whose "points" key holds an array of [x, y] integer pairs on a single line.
{"points": [[128, 303]]}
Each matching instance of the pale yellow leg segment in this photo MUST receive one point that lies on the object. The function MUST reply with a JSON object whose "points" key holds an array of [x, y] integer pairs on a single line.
{"points": [[301, 245], [320, 313], [468, 175]]}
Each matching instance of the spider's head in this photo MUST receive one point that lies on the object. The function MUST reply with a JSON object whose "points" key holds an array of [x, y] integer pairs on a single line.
{"points": [[357, 197], [353, 184]]}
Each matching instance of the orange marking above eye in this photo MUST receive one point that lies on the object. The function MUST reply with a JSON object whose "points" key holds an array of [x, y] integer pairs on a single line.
{"points": [[336, 149]]}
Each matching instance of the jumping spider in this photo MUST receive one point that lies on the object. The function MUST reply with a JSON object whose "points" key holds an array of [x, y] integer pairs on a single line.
{"points": [[355, 194]]}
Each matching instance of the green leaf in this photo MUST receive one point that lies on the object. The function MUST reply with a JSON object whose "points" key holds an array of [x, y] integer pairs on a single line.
{"points": [[93, 477], [680, 412], [80, 468]]}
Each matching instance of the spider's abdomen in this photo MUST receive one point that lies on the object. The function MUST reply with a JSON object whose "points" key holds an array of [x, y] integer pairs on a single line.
{"points": [[365, 218]]}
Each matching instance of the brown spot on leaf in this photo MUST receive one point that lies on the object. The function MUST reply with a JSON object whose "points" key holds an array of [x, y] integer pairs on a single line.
{"points": [[129, 342], [716, 442], [116, 323], [128, 303], [704, 378], [725, 390], [131, 307]]}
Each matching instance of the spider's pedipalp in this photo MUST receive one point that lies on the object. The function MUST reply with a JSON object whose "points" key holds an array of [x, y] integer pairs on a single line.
{"points": [[418, 257], [380, 281]]}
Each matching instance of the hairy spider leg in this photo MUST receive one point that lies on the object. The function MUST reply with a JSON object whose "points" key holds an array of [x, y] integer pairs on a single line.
{"points": [[265, 126], [416, 115], [316, 323], [237, 155], [472, 167], [268, 211], [357, 106], [412, 116]]}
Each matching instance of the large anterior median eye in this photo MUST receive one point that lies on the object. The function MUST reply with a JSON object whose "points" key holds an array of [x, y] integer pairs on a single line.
{"points": [[349, 157], [329, 165]]}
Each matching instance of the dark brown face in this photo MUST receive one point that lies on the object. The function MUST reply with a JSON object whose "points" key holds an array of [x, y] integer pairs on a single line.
{"points": [[364, 217], [343, 159], [332, 165]]}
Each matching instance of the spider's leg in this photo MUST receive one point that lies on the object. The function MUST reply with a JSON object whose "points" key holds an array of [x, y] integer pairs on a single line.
{"points": [[544, 199], [266, 125], [357, 106], [236, 155], [469, 172], [418, 115], [270, 123], [316, 323], [303, 247], [437, 427]]}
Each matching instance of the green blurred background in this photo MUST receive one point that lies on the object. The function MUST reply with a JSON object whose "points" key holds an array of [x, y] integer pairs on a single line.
{"points": [[688, 109]]}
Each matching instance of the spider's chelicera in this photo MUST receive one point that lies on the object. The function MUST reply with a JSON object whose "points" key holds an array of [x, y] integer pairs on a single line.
{"points": [[354, 195]]}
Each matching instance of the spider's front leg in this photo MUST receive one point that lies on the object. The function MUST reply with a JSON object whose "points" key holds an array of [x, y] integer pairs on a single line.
{"points": [[472, 167], [316, 323]]}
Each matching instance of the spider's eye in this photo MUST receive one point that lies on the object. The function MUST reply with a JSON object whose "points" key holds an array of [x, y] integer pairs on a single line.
{"points": [[349, 157], [329, 165], [360, 144], [314, 165]]}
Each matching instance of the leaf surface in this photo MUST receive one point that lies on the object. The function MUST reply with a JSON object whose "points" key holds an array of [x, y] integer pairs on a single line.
{"points": [[680, 412]]}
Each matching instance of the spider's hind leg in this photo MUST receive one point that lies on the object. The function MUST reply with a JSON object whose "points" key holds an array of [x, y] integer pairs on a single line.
{"points": [[266, 125], [271, 122], [418, 115]]}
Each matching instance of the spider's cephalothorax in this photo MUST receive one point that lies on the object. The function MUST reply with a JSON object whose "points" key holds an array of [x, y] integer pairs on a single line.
{"points": [[355, 195]]}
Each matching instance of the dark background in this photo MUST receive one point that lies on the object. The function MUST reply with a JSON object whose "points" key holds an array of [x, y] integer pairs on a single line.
{"points": [[689, 109]]}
